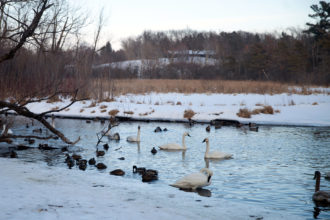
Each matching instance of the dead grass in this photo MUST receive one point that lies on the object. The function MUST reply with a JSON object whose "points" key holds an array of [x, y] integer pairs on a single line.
{"points": [[267, 110], [92, 112], [129, 112], [244, 113], [113, 112], [93, 104], [147, 113], [138, 86], [315, 103], [103, 106], [188, 114], [178, 103], [103, 110], [54, 99], [56, 108], [81, 110]]}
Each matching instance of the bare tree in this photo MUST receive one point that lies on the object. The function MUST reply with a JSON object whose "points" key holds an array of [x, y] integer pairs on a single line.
{"points": [[16, 29]]}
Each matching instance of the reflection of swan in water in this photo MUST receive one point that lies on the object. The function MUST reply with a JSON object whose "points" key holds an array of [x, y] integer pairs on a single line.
{"points": [[194, 180], [200, 191], [321, 198], [174, 146], [134, 138], [138, 147], [215, 154]]}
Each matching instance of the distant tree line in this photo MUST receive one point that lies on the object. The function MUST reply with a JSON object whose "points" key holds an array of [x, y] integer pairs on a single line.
{"points": [[55, 56], [297, 56]]}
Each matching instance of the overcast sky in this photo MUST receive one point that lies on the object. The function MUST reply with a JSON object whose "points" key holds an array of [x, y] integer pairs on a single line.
{"points": [[126, 18]]}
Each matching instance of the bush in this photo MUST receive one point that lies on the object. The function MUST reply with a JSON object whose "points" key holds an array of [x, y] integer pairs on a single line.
{"points": [[113, 112], [244, 113], [188, 114]]}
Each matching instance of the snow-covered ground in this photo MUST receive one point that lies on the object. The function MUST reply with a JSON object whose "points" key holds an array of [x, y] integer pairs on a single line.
{"points": [[291, 109], [37, 191]]}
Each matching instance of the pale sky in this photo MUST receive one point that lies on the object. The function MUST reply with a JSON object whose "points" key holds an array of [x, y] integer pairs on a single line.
{"points": [[126, 18]]}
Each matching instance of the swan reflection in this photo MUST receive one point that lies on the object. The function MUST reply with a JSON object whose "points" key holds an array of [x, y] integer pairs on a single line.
{"points": [[200, 191]]}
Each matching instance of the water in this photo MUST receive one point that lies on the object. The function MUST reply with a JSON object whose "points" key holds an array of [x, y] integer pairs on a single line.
{"points": [[272, 168]]}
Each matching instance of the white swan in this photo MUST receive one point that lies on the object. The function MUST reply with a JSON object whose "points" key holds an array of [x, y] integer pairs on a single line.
{"points": [[174, 146], [215, 154], [320, 197], [194, 180], [134, 138]]}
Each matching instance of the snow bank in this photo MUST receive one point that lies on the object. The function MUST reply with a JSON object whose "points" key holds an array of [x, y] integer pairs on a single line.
{"points": [[36, 191], [293, 109]]}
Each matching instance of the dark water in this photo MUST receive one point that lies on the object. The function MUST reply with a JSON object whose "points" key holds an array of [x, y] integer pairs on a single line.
{"points": [[273, 168]]}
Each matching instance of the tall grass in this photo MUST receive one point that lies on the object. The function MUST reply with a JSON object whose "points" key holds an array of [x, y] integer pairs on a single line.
{"points": [[140, 86]]}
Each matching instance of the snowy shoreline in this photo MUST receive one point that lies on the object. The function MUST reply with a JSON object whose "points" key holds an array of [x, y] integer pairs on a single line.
{"points": [[291, 109]]}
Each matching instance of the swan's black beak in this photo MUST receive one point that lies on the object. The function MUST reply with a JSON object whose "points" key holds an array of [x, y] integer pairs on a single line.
{"points": [[188, 135], [204, 140], [209, 178]]}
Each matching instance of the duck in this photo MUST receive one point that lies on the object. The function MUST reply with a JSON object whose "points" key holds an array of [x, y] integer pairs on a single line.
{"points": [[69, 161], [117, 172], [101, 166], [82, 164], [114, 136], [174, 146], [208, 128], [327, 175], [13, 154], [92, 161], [149, 175], [100, 153], [215, 154], [158, 129], [320, 197], [139, 170], [194, 180], [253, 127], [153, 150], [106, 147], [134, 138]]}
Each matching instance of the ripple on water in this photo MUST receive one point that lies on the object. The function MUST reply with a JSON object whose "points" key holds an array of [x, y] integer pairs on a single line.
{"points": [[273, 167]]}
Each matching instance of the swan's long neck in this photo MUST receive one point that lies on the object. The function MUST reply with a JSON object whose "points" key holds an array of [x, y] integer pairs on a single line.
{"points": [[183, 142], [317, 185], [207, 148], [138, 135]]}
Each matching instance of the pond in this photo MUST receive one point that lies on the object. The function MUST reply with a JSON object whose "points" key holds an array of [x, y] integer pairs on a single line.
{"points": [[273, 168]]}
